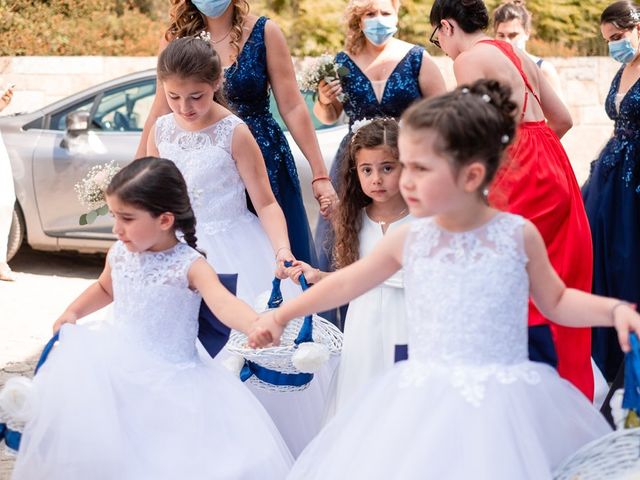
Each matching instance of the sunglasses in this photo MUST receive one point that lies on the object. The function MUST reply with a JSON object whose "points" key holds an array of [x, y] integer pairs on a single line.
{"points": [[433, 39]]}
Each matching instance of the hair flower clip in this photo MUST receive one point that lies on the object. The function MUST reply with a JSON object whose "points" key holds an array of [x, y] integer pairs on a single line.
{"points": [[204, 36], [486, 98], [358, 124], [465, 90], [635, 15]]}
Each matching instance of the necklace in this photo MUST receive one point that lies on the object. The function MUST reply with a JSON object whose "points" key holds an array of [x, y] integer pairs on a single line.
{"points": [[391, 220], [215, 42]]}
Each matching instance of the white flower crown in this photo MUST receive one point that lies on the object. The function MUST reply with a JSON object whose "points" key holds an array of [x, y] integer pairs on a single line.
{"points": [[358, 124]]}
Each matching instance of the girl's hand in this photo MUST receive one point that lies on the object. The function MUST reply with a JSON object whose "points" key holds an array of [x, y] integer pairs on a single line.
{"points": [[326, 196], [283, 255], [328, 92], [625, 320], [265, 331], [6, 98], [301, 268], [66, 317]]}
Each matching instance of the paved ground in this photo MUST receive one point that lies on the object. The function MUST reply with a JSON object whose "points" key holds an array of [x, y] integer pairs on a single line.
{"points": [[47, 283]]}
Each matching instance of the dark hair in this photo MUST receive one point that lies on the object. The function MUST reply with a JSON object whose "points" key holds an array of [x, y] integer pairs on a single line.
{"points": [[474, 123], [157, 186], [471, 15], [381, 132], [624, 15], [192, 57], [513, 10]]}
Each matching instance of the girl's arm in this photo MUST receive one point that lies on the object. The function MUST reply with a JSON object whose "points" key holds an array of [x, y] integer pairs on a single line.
{"points": [[568, 306], [293, 108], [555, 111], [98, 295], [159, 107], [335, 290], [229, 309], [430, 78], [152, 149], [250, 163]]}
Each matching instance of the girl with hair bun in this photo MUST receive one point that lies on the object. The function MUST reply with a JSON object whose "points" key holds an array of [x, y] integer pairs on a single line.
{"points": [[537, 182], [469, 269], [130, 397]]}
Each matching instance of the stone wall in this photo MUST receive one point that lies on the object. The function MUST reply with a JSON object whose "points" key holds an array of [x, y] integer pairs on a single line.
{"points": [[42, 80]]}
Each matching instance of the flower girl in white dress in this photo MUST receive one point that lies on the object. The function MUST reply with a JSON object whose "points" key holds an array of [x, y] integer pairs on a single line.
{"points": [[130, 398], [220, 159], [370, 206], [468, 385]]}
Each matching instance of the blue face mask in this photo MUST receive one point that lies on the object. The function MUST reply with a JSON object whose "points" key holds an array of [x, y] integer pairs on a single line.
{"points": [[379, 29], [622, 50], [211, 8]]}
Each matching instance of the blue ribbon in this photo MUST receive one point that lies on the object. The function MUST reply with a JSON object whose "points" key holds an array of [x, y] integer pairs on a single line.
{"points": [[47, 350], [631, 399], [12, 439], [275, 300], [274, 377], [3, 429]]}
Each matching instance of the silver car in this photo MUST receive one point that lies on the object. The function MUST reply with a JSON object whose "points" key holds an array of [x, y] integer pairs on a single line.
{"points": [[53, 148]]}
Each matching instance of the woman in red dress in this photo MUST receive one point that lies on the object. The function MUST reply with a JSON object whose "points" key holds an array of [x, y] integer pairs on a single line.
{"points": [[537, 180]]}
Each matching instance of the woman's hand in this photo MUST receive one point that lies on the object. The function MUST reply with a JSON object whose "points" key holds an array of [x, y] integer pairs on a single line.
{"points": [[326, 196], [625, 320], [328, 92], [66, 317], [265, 331], [283, 255]]}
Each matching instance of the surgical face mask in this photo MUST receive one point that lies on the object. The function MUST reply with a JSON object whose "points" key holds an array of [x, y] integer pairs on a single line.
{"points": [[211, 8], [622, 50], [379, 29], [520, 42]]}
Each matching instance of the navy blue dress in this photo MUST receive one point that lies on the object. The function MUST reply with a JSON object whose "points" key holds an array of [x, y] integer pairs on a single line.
{"points": [[401, 90], [247, 90], [612, 200]]}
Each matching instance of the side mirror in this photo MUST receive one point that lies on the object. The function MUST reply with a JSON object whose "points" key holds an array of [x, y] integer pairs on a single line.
{"points": [[78, 122]]}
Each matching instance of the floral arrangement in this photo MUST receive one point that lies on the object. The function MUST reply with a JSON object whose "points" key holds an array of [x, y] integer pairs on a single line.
{"points": [[90, 191], [322, 68]]}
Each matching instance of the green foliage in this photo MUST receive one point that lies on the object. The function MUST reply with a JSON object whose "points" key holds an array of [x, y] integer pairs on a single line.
{"points": [[133, 27]]}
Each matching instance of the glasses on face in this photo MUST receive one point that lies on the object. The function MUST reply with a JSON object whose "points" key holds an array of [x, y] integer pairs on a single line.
{"points": [[433, 39]]}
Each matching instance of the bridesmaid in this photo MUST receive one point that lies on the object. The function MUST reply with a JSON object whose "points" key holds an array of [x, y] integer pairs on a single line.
{"points": [[386, 75], [612, 193], [256, 59], [537, 182]]}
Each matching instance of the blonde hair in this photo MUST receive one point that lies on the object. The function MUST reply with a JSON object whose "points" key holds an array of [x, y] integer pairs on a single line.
{"points": [[355, 39], [186, 21]]}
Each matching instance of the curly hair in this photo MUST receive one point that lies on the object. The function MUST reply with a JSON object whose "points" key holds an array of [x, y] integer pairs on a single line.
{"points": [[347, 222], [186, 21], [355, 39]]}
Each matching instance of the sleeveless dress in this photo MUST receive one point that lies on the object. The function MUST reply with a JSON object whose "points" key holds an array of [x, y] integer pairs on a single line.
{"points": [[538, 183], [246, 88], [400, 91], [374, 326], [129, 398], [612, 200], [467, 403], [235, 242]]}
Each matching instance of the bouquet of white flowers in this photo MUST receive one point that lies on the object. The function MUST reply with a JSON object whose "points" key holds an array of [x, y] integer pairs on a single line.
{"points": [[322, 68], [90, 191]]}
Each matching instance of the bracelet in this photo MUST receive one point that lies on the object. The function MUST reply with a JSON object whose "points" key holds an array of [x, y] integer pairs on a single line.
{"points": [[317, 179], [281, 248], [613, 309]]}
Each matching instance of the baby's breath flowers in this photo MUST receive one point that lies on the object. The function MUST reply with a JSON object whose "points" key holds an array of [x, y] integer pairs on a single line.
{"points": [[90, 191], [322, 68]]}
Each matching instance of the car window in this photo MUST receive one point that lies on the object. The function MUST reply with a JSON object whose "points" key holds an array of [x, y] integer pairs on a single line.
{"points": [[126, 109], [309, 100], [59, 119]]}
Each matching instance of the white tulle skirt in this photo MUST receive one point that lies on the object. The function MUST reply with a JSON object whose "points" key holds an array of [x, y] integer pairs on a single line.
{"points": [[430, 424], [107, 410]]}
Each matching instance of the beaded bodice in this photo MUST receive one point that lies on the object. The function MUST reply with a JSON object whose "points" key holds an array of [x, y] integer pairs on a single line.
{"points": [[466, 293], [153, 304], [401, 89], [215, 187]]}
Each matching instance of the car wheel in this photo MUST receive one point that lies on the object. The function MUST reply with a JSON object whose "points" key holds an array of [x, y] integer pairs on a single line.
{"points": [[16, 233]]}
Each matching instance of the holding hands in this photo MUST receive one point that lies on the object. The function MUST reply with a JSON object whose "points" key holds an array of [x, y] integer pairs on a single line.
{"points": [[266, 330], [325, 194]]}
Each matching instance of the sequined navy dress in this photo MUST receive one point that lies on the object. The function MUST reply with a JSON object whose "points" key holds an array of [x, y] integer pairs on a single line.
{"points": [[400, 91], [247, 91], [612, 201]]}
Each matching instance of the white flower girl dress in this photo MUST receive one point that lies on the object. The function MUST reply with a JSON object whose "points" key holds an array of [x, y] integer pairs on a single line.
{"points": [[468, 403], [130, 399]]}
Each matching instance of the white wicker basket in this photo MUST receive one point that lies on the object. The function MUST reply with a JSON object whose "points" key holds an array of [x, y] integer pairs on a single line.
{"points": [[613, 457]]}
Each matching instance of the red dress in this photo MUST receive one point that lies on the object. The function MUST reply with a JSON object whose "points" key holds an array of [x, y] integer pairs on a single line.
{"points": [[537, 182]]}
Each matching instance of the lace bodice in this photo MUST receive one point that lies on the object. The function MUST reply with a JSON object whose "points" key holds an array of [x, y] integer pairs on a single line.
{"points": [[216, 189], [466, 293], [152, 300]]}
